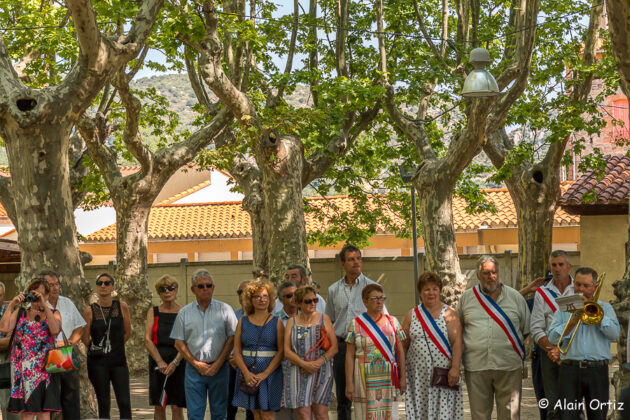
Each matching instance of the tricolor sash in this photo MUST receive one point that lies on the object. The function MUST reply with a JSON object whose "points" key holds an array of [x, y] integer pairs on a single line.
{"points": [[433, 331], [549, 296], [381, 342], [496, 313]]}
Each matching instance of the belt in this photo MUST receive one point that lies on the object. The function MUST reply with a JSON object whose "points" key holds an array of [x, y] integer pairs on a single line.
{"points": [[261, 353], [585, 363]]}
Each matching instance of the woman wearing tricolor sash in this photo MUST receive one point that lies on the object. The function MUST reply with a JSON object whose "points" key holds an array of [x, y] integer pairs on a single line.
{"points": [[434, 339], [375, 360]]}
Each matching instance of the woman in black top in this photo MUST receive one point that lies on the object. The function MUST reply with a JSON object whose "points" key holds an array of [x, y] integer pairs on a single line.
{"points": [[164, 360], [108, 329]]}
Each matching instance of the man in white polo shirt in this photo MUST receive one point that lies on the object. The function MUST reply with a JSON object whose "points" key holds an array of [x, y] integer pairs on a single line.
{"points": [[72, 324]]}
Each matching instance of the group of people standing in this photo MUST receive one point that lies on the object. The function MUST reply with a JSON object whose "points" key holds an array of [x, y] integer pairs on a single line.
{"points": [[279, 357]]}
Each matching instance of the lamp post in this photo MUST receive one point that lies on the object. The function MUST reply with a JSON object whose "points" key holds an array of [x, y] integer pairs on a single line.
{"points": [[407, 174]]}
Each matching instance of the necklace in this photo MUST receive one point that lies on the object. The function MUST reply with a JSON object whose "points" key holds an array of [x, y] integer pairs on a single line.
{"points": [[303, 319]]}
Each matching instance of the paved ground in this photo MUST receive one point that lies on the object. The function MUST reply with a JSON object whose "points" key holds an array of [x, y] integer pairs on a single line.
{"points": [[142, 410]]}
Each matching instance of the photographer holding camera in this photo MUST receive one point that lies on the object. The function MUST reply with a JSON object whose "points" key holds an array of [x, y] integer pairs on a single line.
{"points": [[33, 390], [108, 328]]}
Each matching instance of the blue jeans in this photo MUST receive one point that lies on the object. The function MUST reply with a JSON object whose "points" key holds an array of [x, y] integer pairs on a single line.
{"points": [[214, 388]]}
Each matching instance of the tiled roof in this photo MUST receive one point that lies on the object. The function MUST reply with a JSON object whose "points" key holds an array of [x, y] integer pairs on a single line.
{"points": [[613, 190], [229, 220]]}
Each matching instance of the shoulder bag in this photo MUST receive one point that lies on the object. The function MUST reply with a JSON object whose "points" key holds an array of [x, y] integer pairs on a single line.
{"points": [[242, 384], [439, 377], [323, 342], [62, 359]]}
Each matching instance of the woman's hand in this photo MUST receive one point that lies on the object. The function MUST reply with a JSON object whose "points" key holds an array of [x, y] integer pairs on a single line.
{"points": [[250, 379], [259, 377], [169, 369], [453, 376], [17, 300], [40, 298], [162, 365], [311, 367], [349, 390]]}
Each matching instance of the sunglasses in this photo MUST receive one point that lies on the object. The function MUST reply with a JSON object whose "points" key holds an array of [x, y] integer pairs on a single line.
{"points": [[205, 286], [261, 297], [377, 299], [309, 301], [239, 292], [104, 282], [167, 288], [288, 296]]}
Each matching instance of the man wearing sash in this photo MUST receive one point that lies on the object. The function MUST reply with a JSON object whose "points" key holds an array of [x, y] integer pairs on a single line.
{"points": [[584, 369], [542, 314], [495, 320]]}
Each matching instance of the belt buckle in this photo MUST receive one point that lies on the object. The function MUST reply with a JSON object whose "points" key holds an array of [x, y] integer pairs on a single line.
{"points": [[582, 364]]}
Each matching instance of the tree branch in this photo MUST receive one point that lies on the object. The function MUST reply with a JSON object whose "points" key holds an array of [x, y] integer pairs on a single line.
{"points": [[273, 100], [95, 132], [131, 135], [86, 28], [439, 55]]}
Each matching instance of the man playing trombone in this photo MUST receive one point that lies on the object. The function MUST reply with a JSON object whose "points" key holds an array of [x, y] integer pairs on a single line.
{"points": [[584, 338]]}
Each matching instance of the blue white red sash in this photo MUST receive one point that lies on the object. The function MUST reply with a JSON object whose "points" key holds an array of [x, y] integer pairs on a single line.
{"points": [[500, 318], [433, 331], [549, 296], [380, 341]]}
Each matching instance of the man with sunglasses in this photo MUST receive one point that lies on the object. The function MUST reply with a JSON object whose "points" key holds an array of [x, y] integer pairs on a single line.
{"points": [[72, 324], [297, 275], [204, 335]]}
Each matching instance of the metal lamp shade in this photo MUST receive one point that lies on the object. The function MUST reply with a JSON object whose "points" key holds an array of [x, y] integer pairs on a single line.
{"points": [[480, 83]]}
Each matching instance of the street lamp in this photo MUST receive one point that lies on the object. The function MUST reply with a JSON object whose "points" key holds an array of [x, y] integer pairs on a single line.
{"points": [[480, 82], [406, 174]]}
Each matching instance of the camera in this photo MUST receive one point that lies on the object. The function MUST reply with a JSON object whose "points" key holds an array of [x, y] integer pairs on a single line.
{"points": [[30, 297], [548, 275]]}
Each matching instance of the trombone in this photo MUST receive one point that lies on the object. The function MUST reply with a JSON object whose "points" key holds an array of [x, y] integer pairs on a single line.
{"points": [[591, 314]]}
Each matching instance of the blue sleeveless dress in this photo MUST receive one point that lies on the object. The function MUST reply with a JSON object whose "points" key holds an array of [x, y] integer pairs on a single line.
{"points": [[269, 390]]}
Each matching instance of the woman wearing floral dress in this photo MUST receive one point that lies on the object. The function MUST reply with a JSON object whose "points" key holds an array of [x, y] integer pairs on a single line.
{"points": [[309, 377], [375, 360], [423, 401], [33, 390]]}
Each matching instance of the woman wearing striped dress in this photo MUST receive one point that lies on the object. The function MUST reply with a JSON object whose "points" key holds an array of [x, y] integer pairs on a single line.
{"points": [[309, 376]]}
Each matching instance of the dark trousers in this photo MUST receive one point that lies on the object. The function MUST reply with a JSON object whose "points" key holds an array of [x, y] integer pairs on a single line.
{"points": [[344, 405], [587, 389], [232, 410], [537, 379], [70, 397], [550, 376], [101, 375], [624, 398]]}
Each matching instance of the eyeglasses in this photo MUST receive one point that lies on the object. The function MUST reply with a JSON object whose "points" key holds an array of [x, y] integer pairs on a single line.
{"points": [[261, 297], [288, 296], [309, 301], [206, 286], [239, 292], [167, 288], [104, 282], [377, 299]]}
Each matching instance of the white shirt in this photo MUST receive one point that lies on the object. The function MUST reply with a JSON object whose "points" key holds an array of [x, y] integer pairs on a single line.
{"points": [[345, 304], [321, 305], [541, 312], [71, 318]]}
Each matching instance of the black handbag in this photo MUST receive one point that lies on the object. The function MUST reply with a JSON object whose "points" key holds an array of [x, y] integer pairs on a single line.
{"points": [[5, 368], [242, 384]]}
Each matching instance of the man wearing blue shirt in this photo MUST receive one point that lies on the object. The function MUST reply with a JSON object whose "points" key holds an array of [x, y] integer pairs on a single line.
{"points": [[584, 369], [204, 334]]}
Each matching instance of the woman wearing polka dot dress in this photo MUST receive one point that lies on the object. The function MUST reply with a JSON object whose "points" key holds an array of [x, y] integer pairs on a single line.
{"points": [[434, 338]]}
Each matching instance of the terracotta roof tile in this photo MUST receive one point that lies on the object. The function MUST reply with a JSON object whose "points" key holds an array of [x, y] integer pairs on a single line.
{"points": [[612, 189], [229, 220]]}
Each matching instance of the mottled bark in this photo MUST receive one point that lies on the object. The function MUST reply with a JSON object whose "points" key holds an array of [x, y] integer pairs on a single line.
{"points": [[619, 24], [132, 220], [436, 213]]}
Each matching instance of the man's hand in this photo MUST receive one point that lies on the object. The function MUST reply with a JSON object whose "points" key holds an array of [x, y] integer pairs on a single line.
{"points": [[532, 286], [213, 369], [202, 368], [232, 361], [554, 355]]}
